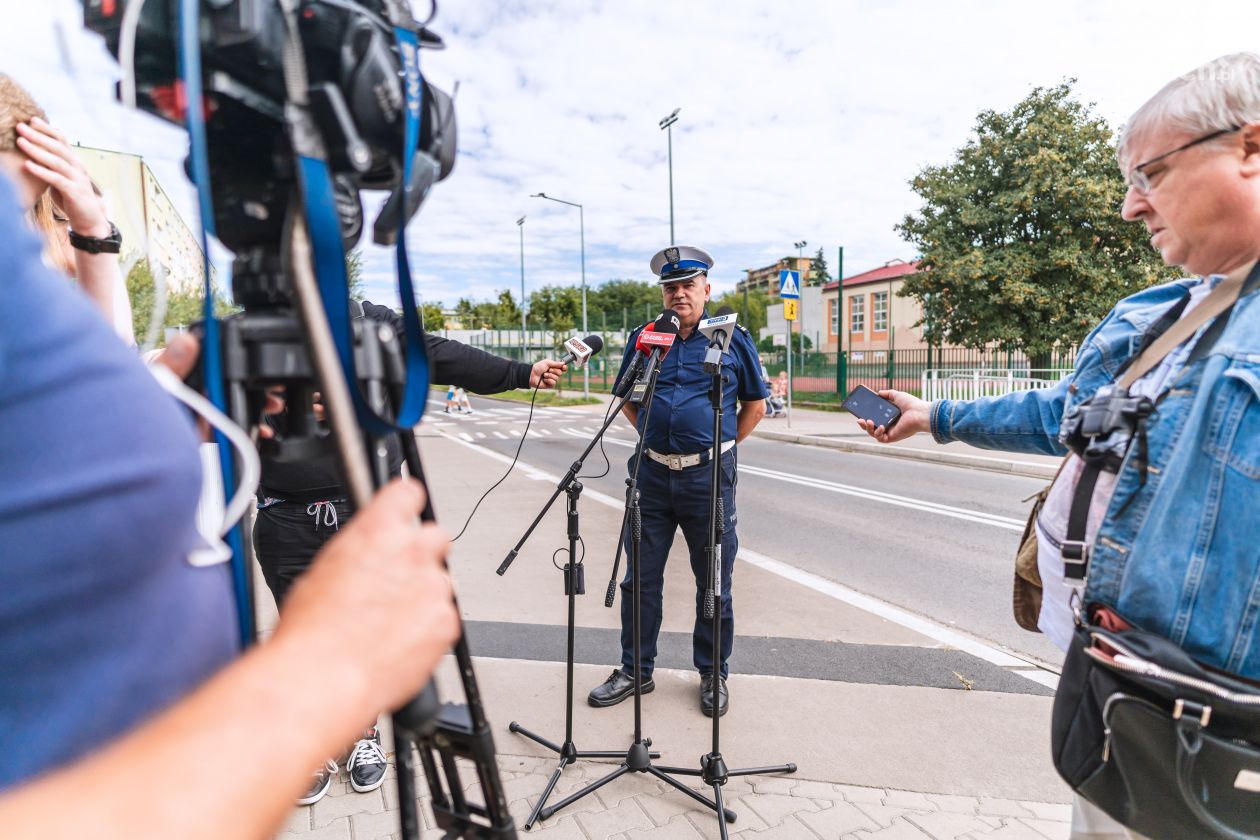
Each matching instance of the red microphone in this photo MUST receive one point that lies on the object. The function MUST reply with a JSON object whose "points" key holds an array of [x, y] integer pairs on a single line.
{"points": [[655, 338]]}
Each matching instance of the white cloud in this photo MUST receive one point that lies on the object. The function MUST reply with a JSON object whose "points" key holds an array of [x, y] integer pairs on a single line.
{"points": [[799, 120]]}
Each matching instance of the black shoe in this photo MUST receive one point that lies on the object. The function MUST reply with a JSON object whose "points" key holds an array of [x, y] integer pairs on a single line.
{"points": [[366, 764], [616, 688], [320, 782], [706, 695]]}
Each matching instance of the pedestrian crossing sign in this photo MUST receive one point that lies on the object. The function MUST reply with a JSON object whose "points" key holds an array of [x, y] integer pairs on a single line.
{"points": [[790, 309], [789, 283]]}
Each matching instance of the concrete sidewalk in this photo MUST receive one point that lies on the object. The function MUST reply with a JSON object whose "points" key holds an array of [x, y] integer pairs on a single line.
{"points": [[880, 753]]}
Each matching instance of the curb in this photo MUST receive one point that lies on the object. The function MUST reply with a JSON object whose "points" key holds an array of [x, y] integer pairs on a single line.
{"points": [[1028, 469]]}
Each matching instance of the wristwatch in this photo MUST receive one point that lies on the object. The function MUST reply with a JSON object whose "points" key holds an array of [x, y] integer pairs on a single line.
{"points": [[111, 244]]}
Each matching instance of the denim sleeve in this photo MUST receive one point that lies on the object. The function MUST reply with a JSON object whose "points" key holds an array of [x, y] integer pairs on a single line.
{"points": [[1027, 421]]}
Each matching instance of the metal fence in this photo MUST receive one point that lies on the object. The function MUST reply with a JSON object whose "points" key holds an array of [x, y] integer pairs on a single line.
{"points": [[973, 384]]}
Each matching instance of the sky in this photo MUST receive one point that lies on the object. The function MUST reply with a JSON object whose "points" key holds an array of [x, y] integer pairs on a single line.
{"points": [[799, 120]]}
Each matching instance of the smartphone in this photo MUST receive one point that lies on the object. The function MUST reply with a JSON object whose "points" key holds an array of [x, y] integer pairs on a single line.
{"points": [[865, 404]]}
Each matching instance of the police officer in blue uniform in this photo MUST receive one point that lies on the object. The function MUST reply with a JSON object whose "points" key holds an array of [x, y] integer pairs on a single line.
{"points": [[674, 479]]}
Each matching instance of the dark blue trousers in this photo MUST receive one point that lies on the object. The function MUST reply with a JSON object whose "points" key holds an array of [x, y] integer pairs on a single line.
{"points": [[669, 500]]}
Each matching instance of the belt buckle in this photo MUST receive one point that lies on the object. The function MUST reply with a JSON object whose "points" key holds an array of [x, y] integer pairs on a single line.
{"points": [[674, 461]]}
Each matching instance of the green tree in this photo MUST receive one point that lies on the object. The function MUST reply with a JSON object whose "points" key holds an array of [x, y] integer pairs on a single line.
{"points": [[431, 316], [629, 296], [354, 273], [818, 270], [753, 316], [183, 306], [1022, 233]]}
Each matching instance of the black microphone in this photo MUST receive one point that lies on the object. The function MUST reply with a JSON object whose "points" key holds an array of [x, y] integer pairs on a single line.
{"points": [[581, 349], [626, 382]]}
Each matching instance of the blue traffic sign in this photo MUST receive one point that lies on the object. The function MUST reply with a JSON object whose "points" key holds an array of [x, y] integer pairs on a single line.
{"points": [[789, 283]]}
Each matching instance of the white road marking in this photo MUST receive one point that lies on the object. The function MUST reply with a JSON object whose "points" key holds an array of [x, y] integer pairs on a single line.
{"points": [[480, 434], [888, 498], [500, 435], [465, 436], [514, 432], [544, 432], [946, 636]]}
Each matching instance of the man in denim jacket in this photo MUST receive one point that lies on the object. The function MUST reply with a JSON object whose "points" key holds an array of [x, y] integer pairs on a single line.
{"points": [[1179, 552]]}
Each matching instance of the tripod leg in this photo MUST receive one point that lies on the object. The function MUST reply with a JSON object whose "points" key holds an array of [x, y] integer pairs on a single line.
{"points": [[516, 728], [546, 813], [759, 771], [717, 798], [542, 799], [728, 814]]}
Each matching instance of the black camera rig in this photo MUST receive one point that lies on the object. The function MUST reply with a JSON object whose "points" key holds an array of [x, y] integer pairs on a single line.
{"points": [[1101, 429], [294, 107]]}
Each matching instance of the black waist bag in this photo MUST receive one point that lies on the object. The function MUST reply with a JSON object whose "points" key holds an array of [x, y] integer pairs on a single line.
{"points": [[1163, 745]]}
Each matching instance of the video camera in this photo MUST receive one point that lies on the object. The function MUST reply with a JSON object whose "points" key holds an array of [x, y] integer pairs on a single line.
{"points": [[357, 99]]}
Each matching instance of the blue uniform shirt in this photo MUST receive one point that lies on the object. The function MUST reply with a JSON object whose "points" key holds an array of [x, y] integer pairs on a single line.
{"points": [[681, 420]]}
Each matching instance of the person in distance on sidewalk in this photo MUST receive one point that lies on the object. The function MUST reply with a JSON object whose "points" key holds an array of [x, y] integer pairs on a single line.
{"points": [[674, 478]]}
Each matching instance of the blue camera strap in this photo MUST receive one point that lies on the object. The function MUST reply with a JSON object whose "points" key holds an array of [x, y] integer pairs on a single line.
{"points": [[211, 349]]}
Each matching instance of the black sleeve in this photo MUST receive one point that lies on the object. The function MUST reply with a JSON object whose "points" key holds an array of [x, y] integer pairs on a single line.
{"points": [[453, 363]]}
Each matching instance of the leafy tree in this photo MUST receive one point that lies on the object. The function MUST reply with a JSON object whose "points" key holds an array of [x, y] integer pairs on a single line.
{"points": [[629, 296], [354, 273], [1022, 233], [818, 270], [431, 316], [183, 306], [752, 316]]}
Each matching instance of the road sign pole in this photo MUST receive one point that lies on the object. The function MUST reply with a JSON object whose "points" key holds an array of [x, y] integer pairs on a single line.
{"points": [[789, 366]]}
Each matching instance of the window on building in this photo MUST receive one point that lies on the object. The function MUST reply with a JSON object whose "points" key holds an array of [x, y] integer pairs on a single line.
{"points": [[835, 316], [879, 312], [857, 314]]}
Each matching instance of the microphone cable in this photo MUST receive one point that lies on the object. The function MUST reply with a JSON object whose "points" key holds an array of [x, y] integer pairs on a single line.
{"points": [[512, 465], [607, 463]]}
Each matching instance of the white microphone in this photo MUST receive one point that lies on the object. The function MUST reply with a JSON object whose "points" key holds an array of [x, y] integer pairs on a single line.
{"points": [[581, 350], [719, 330]]}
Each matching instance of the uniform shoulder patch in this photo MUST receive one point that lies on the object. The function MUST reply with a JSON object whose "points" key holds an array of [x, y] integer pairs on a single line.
{"points": [[742, 329]]}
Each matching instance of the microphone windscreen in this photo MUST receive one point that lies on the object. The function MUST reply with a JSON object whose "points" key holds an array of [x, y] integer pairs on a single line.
{"points": [[595, 343], [724, 311], [668, 322]]}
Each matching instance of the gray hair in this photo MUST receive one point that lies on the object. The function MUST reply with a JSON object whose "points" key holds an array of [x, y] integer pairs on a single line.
{"points": [[1224, 92]]}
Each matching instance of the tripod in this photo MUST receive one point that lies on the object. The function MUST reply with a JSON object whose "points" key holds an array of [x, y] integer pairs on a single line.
{"points": [[713, 769], [637, 757], [574, 585]]}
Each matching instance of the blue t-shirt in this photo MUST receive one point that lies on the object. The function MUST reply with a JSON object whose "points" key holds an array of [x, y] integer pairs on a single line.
{"points": [[681, 420], [103, 622]]}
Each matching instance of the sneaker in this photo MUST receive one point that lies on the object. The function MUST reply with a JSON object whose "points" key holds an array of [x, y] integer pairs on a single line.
{"points": [[320, 784], [366, 764]]}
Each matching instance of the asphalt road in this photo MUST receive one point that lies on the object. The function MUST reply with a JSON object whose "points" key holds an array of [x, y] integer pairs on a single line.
{"points": [[934, 540]]}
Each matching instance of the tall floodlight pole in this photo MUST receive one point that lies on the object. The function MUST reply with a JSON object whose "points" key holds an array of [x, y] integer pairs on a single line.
{"points": [[520, 223], [667, 126], [586, 374]]}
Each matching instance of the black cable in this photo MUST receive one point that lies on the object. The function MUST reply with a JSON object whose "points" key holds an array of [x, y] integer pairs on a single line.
{"points": [[607, 463], [510, 466]]}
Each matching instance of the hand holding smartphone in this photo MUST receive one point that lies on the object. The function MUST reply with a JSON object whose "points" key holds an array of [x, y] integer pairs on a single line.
{"points": [[865, 404]]}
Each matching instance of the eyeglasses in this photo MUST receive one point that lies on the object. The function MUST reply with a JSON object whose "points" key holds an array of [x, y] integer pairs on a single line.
{"points": [[1141, 181]]}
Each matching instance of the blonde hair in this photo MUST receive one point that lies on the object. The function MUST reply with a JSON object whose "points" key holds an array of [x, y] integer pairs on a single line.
{"points": [[16, 106], [1223, 93]]}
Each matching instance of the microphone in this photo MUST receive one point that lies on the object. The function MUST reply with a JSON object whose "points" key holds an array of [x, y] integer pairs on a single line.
{"points": [[580, 350], [719, 330], [659, 340], [635, 368]]}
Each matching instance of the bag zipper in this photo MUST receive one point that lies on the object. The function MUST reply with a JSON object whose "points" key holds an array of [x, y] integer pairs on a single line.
{"points": [[1135, 664], [1106, 716]]}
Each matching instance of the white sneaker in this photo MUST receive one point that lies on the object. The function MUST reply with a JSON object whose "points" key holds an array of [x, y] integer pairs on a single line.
{"points": [[367, 763]]}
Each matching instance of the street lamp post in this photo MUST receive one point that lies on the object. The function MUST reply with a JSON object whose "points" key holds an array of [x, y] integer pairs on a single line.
{"points": [[667, 126], [800, 304], [586, 374], [520, 223], [804, 282]]}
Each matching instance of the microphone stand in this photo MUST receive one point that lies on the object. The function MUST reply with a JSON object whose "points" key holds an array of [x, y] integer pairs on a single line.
{"points": [[637, 758], [713, 769], [574, 585]]}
